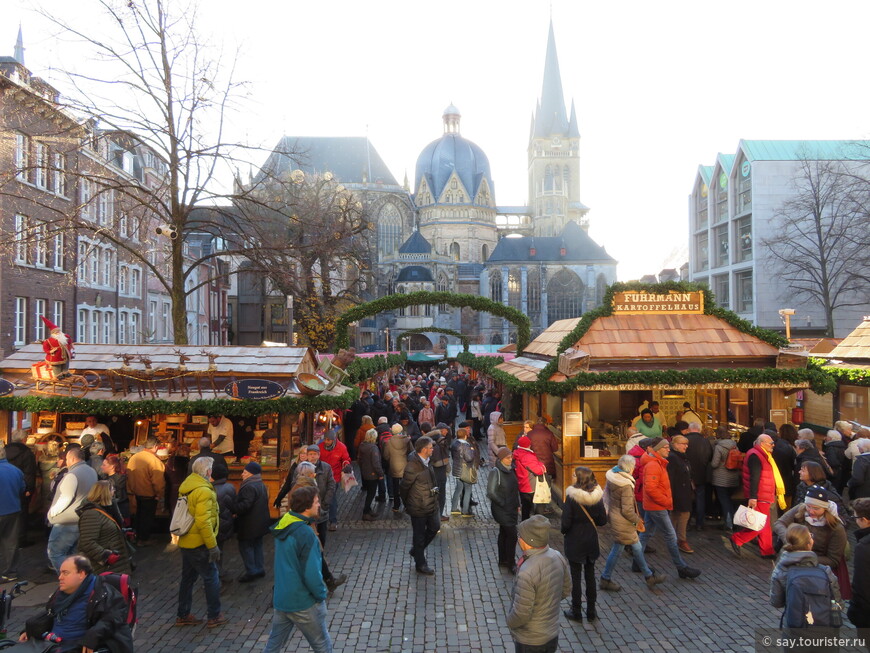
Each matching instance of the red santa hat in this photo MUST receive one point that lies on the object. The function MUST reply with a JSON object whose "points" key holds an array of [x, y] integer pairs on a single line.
{"points": [[48, 323]]}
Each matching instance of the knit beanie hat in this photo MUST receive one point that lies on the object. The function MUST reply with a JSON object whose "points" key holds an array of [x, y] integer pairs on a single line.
{"points": [[382, 420], [817, 496], [525, 443], [253, 468], [502, 453], [535, 531], [396, 429]]}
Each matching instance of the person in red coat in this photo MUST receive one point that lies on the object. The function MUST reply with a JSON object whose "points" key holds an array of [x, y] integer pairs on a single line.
{"points": [[761, 489], [335, 454], [58, 348], [526, 464]]}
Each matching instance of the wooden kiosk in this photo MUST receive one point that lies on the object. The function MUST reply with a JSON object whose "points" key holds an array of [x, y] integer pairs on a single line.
{"points": [[587, 378], [274, 397]]}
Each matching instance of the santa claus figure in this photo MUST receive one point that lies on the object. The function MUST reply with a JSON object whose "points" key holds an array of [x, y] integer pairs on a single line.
{"points": [[58, 348]]}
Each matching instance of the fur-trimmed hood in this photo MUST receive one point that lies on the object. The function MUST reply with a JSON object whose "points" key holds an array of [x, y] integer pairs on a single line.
{"points": [[619, 477], [583, 497]]}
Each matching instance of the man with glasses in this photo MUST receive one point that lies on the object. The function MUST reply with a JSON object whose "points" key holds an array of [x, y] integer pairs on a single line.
{"points": [[658, 500]]}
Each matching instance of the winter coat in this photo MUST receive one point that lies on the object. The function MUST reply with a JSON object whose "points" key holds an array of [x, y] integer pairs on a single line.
{"points": [[766, 484], [441, 449], [829, 544], [369, 458], [859, 484], [543, 580], [859, 607], [835, 453], [656, 483], [396, 452], [784, 456], [699, 454], [462, 454], [218, 458], [621, 506], [581, 534], [504, 495], [526, 465], [202, 504], [226, 498], [544, 444], [337, 457], [680, 478], [800, 494], [70, 493], [145, 475], [99, 535], [496, 438], [119, 483], [298, 565], [12, 488], [790, 559], [722, 476], [20, 455], [252, 508], [325, 488], [416, 488]]}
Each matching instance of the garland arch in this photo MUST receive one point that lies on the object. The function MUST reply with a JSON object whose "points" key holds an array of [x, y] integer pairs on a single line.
{"points": [[423, 297], [422, 330]]}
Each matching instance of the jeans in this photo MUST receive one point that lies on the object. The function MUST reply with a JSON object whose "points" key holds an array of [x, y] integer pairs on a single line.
{"points": [[584, 571], [424, 531], [194, 563], [700, 504], [550, 647], [312, 624], [252, 555], [9, 530], [371, 487], [62, 543], [613, 556], [146, 507], [659, 519], [507, 544], [462, 492], [723, 494], [441, 480]]}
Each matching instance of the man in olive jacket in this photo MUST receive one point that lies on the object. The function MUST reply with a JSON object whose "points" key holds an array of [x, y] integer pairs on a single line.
{"points": [[199, 549], [543, 580], [419, 490]]}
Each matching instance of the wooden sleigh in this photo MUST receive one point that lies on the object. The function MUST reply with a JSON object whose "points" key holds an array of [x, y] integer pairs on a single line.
{"points": [[69, 385]]}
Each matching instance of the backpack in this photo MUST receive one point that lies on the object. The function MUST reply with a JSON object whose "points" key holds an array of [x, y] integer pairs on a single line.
{"points": [[808, 598], [182, 520], [123, 583], [734, 459]]}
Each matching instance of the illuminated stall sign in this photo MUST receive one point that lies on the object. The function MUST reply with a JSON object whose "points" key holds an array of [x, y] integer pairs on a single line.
{"points": [[639, 302]]}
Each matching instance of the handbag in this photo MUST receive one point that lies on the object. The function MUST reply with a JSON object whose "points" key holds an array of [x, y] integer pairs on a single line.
{"points": [[640, 526], [842, 574], [542, 490], [749, 518], [348, 480]]}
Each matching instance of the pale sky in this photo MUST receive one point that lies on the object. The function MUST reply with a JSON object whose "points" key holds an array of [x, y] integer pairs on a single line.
{"points": [[660, 87]]}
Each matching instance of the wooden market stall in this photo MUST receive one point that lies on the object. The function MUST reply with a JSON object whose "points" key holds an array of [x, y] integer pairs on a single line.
{"points": [[649, 345], [849, 363], [271, 395]]}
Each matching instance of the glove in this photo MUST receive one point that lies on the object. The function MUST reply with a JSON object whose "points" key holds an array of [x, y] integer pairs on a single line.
{"points": [[277, 503], [113, 558], [214, 554]]}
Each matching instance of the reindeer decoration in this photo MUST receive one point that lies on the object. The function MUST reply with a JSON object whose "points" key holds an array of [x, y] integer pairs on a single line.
{"points": [[209, 373], [123, 375], [173, 374]]}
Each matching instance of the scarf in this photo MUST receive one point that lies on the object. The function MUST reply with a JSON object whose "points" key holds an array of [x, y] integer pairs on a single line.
{"points": [[777, 478]]}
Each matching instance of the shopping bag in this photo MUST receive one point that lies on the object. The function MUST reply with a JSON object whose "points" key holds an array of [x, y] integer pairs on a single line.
{"points": [[542, 490], [348, 480], [749, 518]]}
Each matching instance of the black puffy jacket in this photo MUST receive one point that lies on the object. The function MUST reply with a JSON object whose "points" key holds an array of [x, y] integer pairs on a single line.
{"points": [[252, 509], [416, 488], [502, 489]]}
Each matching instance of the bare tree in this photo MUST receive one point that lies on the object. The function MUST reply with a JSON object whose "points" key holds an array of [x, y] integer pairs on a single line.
{"points": [[821, 245], [156, 83], [322, 256]]}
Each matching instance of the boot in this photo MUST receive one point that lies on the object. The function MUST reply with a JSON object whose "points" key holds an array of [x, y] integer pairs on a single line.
{"points": [[591, 615], [573, 615], [609, 586], [684, 546]]}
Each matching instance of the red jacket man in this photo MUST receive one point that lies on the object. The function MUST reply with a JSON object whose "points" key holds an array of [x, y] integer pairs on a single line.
{"points": [[656, 482], [58, 348], [334, 453], [759, 487]]}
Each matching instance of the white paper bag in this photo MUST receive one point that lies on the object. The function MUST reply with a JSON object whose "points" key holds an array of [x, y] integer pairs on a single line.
{"points": [[542, 491], [749, 518]]}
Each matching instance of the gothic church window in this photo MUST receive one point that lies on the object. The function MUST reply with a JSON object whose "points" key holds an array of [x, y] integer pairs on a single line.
{"points": [[484, 253], [389, 229], [495, 285], [533, 290], [443, 286], [564, 296], [454, 251], [514, 288]]}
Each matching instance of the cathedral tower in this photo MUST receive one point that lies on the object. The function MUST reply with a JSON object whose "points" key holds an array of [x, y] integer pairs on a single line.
{"points": [[554, 156]]}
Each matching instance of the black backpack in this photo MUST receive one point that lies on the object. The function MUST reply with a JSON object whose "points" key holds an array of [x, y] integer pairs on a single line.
{"points": [[807, 590]]}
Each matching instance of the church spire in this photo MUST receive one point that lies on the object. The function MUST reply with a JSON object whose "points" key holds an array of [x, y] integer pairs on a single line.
{"points": [[19, 47], [551, 118]]}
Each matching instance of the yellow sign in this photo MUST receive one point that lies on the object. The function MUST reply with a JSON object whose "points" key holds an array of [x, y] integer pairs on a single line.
{"points": [[634, 302]]}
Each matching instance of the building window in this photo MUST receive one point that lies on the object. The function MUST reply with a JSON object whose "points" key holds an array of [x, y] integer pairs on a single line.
{"points": [[59, 174], [533, 289], [484, 253], [135, 276], [41, 165], [57, 313], [107, 267], [165, 321], [123, 225], [454, 251], [702, 252], [389, 230], [20, 321], [495, 290], [720, 240], [41, 246], [744, 239], [22, 156], [82, 326], [133, 335], [152, 319], [58, 251], [107, 328], [443, 286], [39, 311], [96, 323], [122, 328], [515, 297], [721, 290], [106, 207], [85, 196], [123, 273], [21, 239], [564, 296], [743, 282]]}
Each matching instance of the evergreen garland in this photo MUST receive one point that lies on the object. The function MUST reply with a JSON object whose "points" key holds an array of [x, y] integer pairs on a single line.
{"points": [[424, 297], [362, 369], [446, 332]]}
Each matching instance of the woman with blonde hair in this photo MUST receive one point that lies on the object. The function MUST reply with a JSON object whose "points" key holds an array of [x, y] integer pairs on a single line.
{"points": [[367, 425], [371, 470], [101, 539]]}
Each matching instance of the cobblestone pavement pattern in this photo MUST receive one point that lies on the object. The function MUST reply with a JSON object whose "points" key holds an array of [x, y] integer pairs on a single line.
{"points": [[385, 606]]}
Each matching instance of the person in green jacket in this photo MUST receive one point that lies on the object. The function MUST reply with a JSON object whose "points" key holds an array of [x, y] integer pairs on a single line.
{"points": [[299, 597], [199, 549]]}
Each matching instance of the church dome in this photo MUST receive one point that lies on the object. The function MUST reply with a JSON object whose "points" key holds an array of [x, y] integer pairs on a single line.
{"points": [[450, 153]]}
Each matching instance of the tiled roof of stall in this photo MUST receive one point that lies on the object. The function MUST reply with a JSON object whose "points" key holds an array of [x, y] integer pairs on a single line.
{"points": [[270, 361], [547, 344], [810, 150], [855, 345], [525, 369]]}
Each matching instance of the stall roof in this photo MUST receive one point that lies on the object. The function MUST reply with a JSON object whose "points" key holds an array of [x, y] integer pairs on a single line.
{"points": [[547, 344], [854, 346], [237, 361], [525, 369]]}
